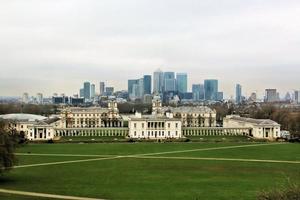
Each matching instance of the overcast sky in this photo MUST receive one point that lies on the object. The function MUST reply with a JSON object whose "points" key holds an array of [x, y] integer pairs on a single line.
{"points": [[54, 45]]}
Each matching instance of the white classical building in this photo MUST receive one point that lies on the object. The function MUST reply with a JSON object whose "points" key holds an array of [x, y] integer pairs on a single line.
{"points": [[154, 127], [91, 117], [34, 127], [258, 128], [191, 116]]}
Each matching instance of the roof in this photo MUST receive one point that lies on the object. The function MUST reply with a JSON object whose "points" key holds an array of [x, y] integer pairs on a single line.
{"points": [[152, 118], [253, 121], [22, 117], [51, 120], [190, 109], [88, 109]]}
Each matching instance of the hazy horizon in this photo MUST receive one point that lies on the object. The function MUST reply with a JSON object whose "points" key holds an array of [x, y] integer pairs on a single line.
{"points": [[55, 45]]}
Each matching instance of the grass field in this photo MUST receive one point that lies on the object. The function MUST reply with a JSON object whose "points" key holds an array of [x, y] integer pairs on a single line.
{"points": [[223, 170]]}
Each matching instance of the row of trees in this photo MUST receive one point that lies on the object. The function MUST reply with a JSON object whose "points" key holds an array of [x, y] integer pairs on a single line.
{"points": [[45, 110]]}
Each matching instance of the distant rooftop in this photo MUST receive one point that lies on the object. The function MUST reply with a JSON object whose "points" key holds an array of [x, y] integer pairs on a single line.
{"points": [[22, 117], [253, 121], [88, 109]]}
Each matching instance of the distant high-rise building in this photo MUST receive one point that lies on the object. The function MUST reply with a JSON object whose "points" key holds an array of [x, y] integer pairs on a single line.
{"points": [[102, 88], [271, 95], [238, 93], [140, 88], [147, 84], [158, 81], [81, 93], [39, 98], [25, 98], [93, 90], [87, 90], [297, 98], [132, 88], [169, 82], [198, 91], [181, 82], [211, 89], [109, 91]]}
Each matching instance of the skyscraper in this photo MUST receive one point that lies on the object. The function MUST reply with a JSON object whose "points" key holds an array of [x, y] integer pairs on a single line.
{"points": [[181, 82], [81, 93], [39, 98], [238, 93], [147, 84], [93, 90], [87, 90], [211, 89], [140, 88], [271, 95], [109, 91], [158, 81], [169, 82], [132, 88], [102, 88], [198, 91]]}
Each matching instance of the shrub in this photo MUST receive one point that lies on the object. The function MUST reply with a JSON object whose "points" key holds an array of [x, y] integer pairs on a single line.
{"points": [[291, 192]]}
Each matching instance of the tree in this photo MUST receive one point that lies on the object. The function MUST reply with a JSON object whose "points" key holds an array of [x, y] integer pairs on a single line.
{"points": [[8, 142]]}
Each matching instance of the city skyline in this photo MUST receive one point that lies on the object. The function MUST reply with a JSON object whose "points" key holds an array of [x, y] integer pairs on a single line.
{"points": [[75, 91], [253, 43]]}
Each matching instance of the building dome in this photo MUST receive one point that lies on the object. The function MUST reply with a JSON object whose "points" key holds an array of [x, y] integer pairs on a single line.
{"points": [[22, 117]]}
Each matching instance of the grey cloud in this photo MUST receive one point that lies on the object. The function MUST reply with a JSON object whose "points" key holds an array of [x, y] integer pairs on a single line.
{"points": [[66, 42]]}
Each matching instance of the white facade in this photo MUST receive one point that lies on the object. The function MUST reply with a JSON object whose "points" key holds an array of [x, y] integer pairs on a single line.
{"points": [[259, 128], [154, 127], [36, 130], [91, 117], [40, 132]]}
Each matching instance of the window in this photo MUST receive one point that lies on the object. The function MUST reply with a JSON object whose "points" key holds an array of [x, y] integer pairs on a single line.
{"points": [[168, 133], [142, 133], [134, 133], [134, 125], [169, 125], [176, 133], [142, 125], [176, 125]]}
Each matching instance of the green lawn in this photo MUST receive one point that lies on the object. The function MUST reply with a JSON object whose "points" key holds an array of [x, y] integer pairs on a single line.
{"points": [[138, 178]]}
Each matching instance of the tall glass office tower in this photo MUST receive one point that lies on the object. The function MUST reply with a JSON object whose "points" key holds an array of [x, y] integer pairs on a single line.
{"points": [[211, 89], [87, 90], [198, 91], [158, 81], [169, 82], [181, 82], [147, 84], [238, 93]]}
